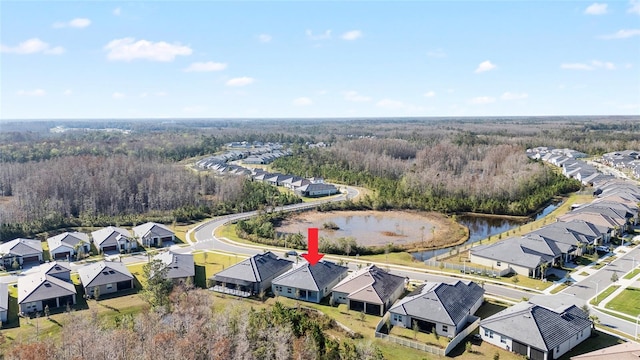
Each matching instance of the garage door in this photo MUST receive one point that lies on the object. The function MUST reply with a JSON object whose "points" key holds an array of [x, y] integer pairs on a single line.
{"points": [[62, 255], [520, 348], [123, 285], [110, 248], [373, 309], [30, 258]]}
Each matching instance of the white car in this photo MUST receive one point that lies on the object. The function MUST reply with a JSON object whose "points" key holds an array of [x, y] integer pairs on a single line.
{"points": [[602, 249]]}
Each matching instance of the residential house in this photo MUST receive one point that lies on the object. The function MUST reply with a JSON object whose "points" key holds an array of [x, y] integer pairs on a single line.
{"points": [[4, 302], [153, 234], [596, 218], [108, 276], [252, 276], [47, 285], [536, 332], [112, 239], [438, 307], [521, 255], [22, 251], [316, 190], [629, 350], [309, 282], [180, 266], [66, 245], [370, 290]]}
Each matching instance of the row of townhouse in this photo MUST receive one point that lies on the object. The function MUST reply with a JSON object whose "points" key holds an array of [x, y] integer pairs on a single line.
{"points": [[627, 159], [263, 154], [50, 285], [444, 308], [68, 245], [613, 212]]}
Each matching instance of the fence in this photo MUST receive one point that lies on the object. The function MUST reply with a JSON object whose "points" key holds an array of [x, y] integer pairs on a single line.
{"points": [[468, 269], [463, 334], [405, 342]]}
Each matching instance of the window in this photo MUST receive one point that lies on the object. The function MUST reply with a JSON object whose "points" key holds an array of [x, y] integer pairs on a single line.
{"points": [[445, 328], [288, 290], [503, 339], [557, 349], [498, 263], [577, 336], [109, 286]]}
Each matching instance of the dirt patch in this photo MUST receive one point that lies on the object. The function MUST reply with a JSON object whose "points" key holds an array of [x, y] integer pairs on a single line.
{"points": [[407, 229]]}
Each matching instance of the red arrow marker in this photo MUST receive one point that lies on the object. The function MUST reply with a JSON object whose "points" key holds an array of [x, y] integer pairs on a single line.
{"points": [[312, 256]]}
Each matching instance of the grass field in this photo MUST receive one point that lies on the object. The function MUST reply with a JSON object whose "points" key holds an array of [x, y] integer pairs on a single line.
{"points": [[631, 274], [627, 302], [596, 300], [209, 263]]}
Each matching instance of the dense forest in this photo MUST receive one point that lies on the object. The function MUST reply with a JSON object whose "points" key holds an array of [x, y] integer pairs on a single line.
{"points": [[195, 328], [446, 177]]}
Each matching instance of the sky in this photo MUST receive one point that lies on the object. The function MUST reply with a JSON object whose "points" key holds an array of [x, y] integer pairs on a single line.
{"points": [[211, 59]]}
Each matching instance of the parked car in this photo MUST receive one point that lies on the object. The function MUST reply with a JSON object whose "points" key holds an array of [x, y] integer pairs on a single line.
{"points": [[604, 249]]}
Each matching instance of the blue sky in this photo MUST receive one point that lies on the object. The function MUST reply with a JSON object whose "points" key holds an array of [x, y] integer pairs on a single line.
{"points": [[318, 59]]}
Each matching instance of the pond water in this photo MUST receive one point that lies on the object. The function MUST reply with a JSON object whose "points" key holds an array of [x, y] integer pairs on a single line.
{"points": [[481, 227]]}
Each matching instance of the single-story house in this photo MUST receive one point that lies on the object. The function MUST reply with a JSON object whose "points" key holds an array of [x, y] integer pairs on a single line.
{"points": [[629, 350], [47, 285], [23, 251], [309, 282], [153, 234], [113, 238], [252, 276], [440, 307], [180, 266], [64, 246], [316, 190], [598, 219], [4, 302], [535, 331], [370, 290], [108, 276], [521, 255]]}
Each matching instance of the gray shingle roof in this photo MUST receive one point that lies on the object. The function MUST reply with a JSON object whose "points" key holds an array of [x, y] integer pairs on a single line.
{"points": [[103, 272], [151, 227], [179, 265], [69, 239], [440, 302], [512, 251], [109, 235], [256, 268], [309, 277], [21, 247], [42, 284], [538, 326]]}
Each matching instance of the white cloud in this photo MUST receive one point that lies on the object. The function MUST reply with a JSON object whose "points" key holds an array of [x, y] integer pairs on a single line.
{"points": [[437, 53], [485, 66], [596, 9], [514, 96], [193, 109], [355, 97], [117, 11], [302, 101], [352, 35], [32, 46], [324, 36], [390, 104], [593, 65], [67, 92], [622, 34], [117, 95], [480, 100], [36, 92], [240, 81], [634, 7], [161, 93], [77, 23], [205, 67], [265, 38], [157, 94], [430, 94], [128, 49]]}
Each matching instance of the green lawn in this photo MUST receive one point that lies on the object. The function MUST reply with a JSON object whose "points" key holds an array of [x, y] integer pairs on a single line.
{"points": [[632, 274], [597, 341], [627, 302], [559, 288], [601, 296]]}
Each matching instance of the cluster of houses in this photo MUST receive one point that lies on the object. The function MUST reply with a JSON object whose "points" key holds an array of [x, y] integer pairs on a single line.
{"points": [[627, 159], [76, 245], [49, 285], [256, 153], [587, 227], [447, 309]]}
